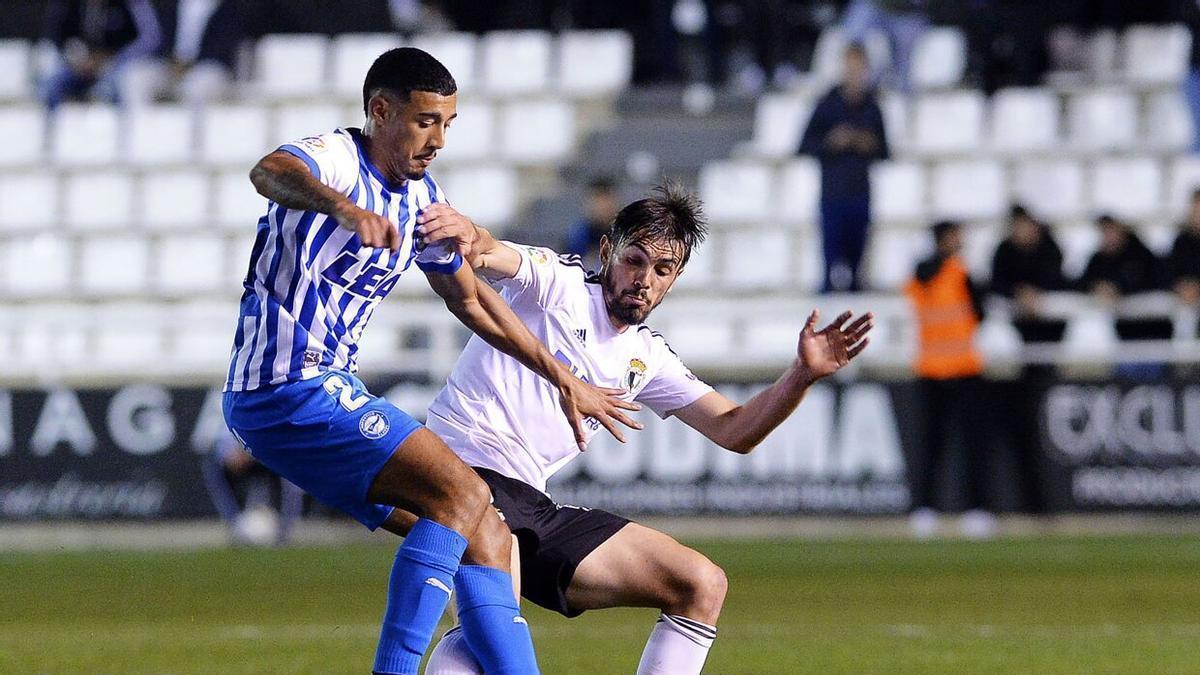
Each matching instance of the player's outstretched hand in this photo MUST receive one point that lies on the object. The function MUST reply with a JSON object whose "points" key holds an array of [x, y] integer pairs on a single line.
{"points": [[581, 400], [440, 222], [372, 229], [823, 352]]}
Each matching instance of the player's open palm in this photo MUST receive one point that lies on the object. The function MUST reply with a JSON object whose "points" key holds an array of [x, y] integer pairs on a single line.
{"points": [[823, 352], [581, 400]]}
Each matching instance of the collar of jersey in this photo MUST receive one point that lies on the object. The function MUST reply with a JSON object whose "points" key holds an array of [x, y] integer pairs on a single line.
{"points": [[365, 160]]}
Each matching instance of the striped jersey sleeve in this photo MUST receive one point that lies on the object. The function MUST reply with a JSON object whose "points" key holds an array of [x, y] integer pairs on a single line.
{"points": [[332, 159]]}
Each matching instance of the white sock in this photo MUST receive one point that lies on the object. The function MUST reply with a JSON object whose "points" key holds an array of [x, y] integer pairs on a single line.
{"points": [[452, 656], [677, 646]]}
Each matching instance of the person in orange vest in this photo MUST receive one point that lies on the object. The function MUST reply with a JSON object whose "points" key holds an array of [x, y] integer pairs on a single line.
{"points": [[948, 311]]}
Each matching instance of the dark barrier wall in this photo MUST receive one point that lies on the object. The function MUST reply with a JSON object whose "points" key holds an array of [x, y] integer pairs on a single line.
{"points": [[134, 452]]}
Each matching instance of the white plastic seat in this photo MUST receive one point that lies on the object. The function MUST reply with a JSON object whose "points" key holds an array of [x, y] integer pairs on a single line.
{"points": [[1103, 120], [238, 204], [472, 135], [898, 193], [736, 192], [969, 190], [132, 333], [203, 333], [1090, 334], [896, 120], [516, 62], [979, 245], [189, 264], [234, 134], [892, 255], [23, 128], [459, 52], [160, 134], [97, 200], [1052, 189], [702, 338], [485, 193], [594, 63], [28, 199], [296, 121], [949, 123], [1127, 188], [84, 134], [779, 123], [1156, 56], [1024, 120], [757, 259], [113, 265], [1184, 179], [939, 58], [351, 56], [38, 265], [799, 191], [174, 199], [1168, 122], [811, 263], [701, 270], [1078, 243], [288, 66], [15, 69], [537, 132]]}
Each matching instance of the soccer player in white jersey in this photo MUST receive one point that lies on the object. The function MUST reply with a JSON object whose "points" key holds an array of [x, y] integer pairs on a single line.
{"points": [[501, 420], [341, 226]]}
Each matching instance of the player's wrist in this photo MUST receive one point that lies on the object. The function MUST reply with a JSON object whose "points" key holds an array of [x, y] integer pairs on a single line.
{"points": [[802, 375]]}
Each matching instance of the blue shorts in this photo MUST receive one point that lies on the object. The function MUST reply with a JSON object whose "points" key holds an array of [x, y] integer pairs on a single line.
{"points": [[328, 435]]}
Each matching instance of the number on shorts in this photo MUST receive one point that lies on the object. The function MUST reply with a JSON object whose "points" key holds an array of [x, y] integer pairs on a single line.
{"points": [[336, 386]]}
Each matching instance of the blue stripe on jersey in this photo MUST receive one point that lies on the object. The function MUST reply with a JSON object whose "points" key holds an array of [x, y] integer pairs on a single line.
{"points": [[302, 155], [272, 315]]}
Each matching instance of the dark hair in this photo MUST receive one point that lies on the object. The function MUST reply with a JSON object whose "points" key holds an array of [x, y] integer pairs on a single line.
{"points": [[1107, 219], [671, 212], [943, 228], [602, 184], [404, 70], [857, 49], [1018, 211]]}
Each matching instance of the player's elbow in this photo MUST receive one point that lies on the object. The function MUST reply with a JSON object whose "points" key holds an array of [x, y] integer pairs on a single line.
{"points": [[740, 446], [261, 174]]}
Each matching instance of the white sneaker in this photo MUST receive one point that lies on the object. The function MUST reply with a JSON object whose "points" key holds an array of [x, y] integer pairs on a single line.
{"points": [[923, 522], [978, 524]]}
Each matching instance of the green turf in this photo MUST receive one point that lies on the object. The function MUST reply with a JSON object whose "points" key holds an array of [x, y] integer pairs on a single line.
{"points": [[1103, 605]]}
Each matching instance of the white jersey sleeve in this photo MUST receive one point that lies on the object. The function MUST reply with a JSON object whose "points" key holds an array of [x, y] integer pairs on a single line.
{"points": [[673, 386], [544, 276], [332, 158]]}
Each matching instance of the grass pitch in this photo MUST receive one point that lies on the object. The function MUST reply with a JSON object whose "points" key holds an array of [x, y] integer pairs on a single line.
{"points": [[1064, 605]]}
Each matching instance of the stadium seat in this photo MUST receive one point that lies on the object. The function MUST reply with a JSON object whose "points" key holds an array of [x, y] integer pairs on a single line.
{"points": [[132, 333], [898, 193], [459, 52], [1183, 180], [351, 55], [594, 63], [896, 125], [235, 134], [238, 246], [773, 336], [299, 120], [757, 259], [84, 134], [290, 66], [736, 192], [516, 62], [174, 199], [52, 335], [1053, 189], [1090, 335], [15, 71], [829, 56], [1103, 120], [537, 132], [238, 205], [28, 200], [998, 340], [38, 265], [1103, 47], [203, 333], [189, 264], [700, 337], [99, 199], [1078, 243], [969, 190], [701, 272], [799, 191], [1168, 122], [892, 255], [24, 129], [113, 265], [485, 193], [939, 58], [810, 262], [1159, 237], [779, 123], [948, 123], [471, 136], [1156, 56], [1024, 120], [160, 134], [979, 244], [1127, 188]]}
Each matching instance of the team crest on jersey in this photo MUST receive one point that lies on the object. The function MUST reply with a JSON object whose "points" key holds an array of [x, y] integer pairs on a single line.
{"points": [[374, 425], [635, 374], [538, 255], [312, 143]]}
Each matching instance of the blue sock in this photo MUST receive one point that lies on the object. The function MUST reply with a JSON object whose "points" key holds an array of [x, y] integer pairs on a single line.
{"points": [[417, 594], [492, 623]]}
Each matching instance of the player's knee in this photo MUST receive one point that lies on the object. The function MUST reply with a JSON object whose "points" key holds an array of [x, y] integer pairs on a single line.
{"points": [[462, 507], [703, 588], [491, 544]]}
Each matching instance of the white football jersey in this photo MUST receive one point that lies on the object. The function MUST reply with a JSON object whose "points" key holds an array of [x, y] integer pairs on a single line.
{"points": [[497, 414]]}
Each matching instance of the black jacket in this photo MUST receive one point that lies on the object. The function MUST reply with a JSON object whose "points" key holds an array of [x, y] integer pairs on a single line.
{"points": [[844, 174], [1133, 269], [1039, 267], [1184, 260]]}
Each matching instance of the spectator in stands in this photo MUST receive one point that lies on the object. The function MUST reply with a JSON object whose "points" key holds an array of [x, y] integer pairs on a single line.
{"points": [[902, 21], [243, 490], [1183, 264], [583, 237], [97, 40], [1123, 265], [948, 310], [198, 56], [846, 134], [1026, 264]]}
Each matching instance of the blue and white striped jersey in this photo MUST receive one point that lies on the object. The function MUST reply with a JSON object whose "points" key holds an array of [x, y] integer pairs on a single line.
{"points": [[311, 286]]}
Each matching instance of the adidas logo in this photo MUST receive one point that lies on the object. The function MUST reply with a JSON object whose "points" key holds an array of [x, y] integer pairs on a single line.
{"points": [[581, 333]]}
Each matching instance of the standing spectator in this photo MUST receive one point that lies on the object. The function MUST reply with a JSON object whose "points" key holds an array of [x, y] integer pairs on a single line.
{"points": [[1026, 264], [902, 21], [1123, 265], [97, 40], [583, 237], [846, 134], [948, 310], [1183, 264]]}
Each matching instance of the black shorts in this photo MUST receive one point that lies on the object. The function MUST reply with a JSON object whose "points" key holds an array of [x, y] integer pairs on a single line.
{"points": [[554, 538]]}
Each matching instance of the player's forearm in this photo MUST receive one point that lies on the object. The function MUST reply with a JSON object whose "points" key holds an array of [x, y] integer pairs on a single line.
{"points": [[506, 332], [747, 425], [286, 181]]}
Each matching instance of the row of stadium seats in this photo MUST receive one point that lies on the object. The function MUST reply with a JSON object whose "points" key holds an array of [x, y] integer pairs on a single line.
{"points": [[1015, 121], [911, 193], [581, 64], [532, 132]]}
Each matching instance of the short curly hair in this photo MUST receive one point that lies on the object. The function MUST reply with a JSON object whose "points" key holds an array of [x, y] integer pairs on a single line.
{"points": [[404, 70]]}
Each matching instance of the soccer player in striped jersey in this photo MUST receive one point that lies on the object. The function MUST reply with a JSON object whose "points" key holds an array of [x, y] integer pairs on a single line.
{"points": [[343, 222], [502, 421]]}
